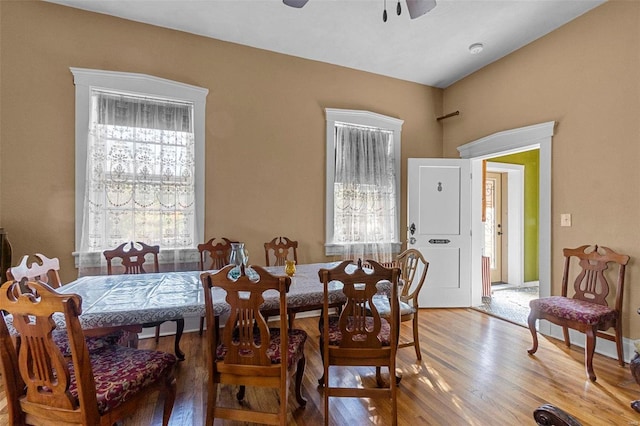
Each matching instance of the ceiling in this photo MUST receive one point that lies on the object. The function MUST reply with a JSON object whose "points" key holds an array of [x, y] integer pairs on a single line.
{"points": [[432, 49]]}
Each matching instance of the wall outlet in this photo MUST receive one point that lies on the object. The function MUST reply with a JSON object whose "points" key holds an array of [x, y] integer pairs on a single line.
{"points": [[565, 219]]}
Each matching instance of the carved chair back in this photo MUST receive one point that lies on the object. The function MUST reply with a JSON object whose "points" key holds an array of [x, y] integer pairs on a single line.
{"points": [[133, 258], [278, 250], [217, 251], [413, 271], [591, 284], [45, 271]]}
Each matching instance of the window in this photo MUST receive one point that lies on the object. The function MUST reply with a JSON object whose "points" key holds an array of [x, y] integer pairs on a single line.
{"points": [[139, 162], [363, 184]]}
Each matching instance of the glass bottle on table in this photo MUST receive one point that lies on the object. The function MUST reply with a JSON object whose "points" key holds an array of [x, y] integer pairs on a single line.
{"points": [[238, 258], [290, 267]]}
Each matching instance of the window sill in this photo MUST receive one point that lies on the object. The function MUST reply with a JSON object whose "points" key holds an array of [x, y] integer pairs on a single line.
{"points": [[332, 249]]}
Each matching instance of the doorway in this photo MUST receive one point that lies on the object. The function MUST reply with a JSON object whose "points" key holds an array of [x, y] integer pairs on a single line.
{"points": [[538, 136], [509, 204]]}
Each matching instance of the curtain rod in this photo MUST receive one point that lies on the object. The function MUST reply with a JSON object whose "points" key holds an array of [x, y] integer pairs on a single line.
{"points": [[448, 115]]}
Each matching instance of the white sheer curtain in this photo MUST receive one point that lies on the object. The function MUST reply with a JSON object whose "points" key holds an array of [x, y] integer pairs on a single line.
{"points": [[365, 193], [140, 175]]}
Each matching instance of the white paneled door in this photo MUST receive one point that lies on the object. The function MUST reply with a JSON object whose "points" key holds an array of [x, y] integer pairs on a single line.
{"points": [[439, 225]]}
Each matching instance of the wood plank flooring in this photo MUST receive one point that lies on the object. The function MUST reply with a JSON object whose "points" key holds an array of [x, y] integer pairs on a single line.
{"points": [[474, 371]]}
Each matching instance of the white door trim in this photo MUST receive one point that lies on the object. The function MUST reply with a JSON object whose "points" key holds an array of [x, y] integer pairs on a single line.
{"points": [[515, 224], [508, 142]]}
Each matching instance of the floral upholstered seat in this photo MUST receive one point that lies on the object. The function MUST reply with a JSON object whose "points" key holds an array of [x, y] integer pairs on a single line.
{"points": [[574, 309], [120, 372], [296, 341], [335, 334]]}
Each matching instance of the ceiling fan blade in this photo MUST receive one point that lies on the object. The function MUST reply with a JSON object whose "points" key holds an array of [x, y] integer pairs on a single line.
{"points": [[417, 8], [295, 3]]}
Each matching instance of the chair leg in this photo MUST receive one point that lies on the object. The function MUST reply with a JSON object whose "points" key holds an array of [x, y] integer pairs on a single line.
{"points": [[416, 340], [589, 350], [299, 376], [292, 317], [241, 392], [534, 334], [169, 399], [618, 329], [325, 395], [211, 403], [201, 326], [379, 380], [567, 339], [176, 345], [157, 333]]}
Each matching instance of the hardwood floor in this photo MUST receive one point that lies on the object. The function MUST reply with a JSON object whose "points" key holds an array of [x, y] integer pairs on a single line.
{"points": [[475, 371]]}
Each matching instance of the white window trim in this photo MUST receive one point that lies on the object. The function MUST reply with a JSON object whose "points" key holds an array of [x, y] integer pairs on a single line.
{"points": [[87, 79], [363, 118]]}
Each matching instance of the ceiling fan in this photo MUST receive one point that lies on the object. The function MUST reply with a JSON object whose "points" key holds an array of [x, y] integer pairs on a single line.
{"points": [[417, 8]]}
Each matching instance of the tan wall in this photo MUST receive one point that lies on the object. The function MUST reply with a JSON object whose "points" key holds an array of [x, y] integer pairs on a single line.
{"points": [[586, 77], [265, 125]]}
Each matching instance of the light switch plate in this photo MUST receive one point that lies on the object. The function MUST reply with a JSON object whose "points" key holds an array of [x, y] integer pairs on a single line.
{"points": [[565, 219]]}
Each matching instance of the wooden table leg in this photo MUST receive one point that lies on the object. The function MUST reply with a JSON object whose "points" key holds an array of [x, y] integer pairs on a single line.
{"points": [[179, 330]]}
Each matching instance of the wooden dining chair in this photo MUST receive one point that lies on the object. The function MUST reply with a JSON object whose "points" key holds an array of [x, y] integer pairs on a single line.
{"points": [[214, 255], [243, 356], [47, 271], [44, 270], [413, 272], [280, 249], [587, 310], [45, 387], [359, 336], [133, 260]]}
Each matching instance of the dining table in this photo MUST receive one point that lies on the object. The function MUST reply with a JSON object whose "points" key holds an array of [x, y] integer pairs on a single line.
{"points": [[121, 301]]}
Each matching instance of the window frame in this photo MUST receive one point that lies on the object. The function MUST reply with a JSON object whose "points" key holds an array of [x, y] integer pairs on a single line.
{"points": [[144, 85], [361, 118]]}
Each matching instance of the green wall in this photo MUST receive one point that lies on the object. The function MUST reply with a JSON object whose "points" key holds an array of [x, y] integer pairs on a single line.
{"points": [[531, 162]]}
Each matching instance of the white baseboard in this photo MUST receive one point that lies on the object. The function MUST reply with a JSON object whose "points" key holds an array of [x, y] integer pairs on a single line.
{"points": [[603, 346]]}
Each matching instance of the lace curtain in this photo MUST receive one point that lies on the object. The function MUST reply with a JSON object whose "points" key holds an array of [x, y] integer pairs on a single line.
{"points": [[365, 193], [140, 175]]}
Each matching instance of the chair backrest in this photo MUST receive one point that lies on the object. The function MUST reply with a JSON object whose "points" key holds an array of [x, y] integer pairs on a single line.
{"points": [[359, 287], [217, 252], [590, 283], [280, 249], [46, 271], [413, 271], [245, 296], [36, 373], [133, 259]]}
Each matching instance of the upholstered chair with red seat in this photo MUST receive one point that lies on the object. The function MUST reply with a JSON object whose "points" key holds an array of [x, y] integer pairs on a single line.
{"points": [[587, 310], [358, 335], [45, 386], [249, 352]]}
